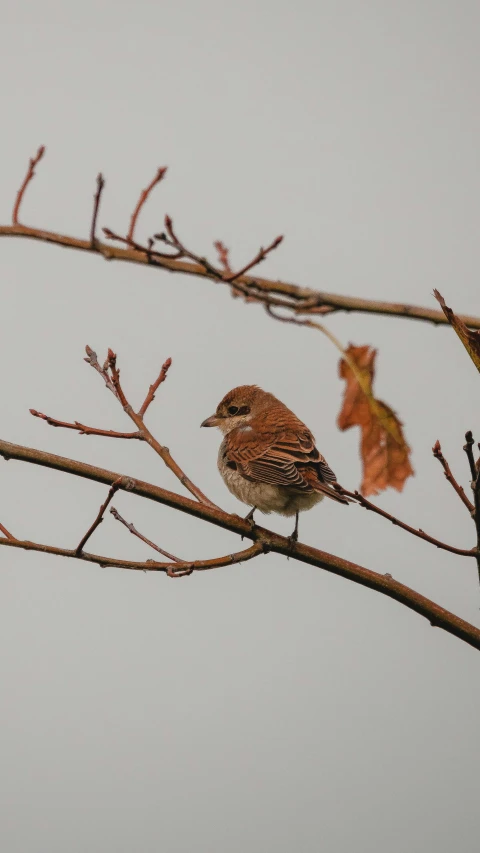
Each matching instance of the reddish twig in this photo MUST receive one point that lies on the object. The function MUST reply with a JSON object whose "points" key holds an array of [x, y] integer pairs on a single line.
{"points": [[259, 257], [112, 380], [171, 569], [28, 177], [113, 488], [141, 201], [362, 501], [437, 452], [153, 255], [151, 391], [96, 206], [85, 430], [92, 360], [6, 532], [382, 583], [148, 542], [223, 256]]}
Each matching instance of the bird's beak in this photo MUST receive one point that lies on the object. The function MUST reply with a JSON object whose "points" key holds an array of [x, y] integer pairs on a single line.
{"points": [[211, 421]]}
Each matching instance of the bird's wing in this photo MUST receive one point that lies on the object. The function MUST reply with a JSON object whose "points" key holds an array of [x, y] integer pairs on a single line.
{"points": [[284, 458]]}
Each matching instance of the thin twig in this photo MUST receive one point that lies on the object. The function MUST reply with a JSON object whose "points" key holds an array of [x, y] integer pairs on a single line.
{"points": [[28, 177], [96, 206], [468, 448], [259, 257], [86, 430], [223, 256], [383, 583], [141, 201], [112, 381], [363, 501], [437, 452], [151, 391], [171, 569], [113, 488], [6, 532], [135, 532], [92, 360]]}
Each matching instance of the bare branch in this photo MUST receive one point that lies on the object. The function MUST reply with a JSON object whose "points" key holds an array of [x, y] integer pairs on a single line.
{"points": [[383, 583], [96, 205], [295, 298], [113, 488], [113, 382], [363, 501], [180, 569], [468, 448], [151, 391], [437, 452], [259, 257], [137, 533], [141, 201], [28, 177], [6, 532], [83, 429], [223, 256]]}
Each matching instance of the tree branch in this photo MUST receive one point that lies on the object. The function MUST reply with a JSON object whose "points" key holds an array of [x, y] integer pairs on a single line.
{"points": [[96, 205], [113, 488], [28, 177], [363, 501], [173, 569], [6, 532], [83, 429], [437, 452], [137, 533], [384, 584], [300, 299]]}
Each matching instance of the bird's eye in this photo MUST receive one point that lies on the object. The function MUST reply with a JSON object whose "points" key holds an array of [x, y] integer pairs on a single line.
{"points": [[232, 410]]}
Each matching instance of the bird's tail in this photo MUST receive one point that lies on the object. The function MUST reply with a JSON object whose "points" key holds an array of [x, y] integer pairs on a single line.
{"points": [[334, 491]]}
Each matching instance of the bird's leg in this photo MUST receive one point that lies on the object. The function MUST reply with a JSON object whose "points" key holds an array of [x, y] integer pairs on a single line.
{"points": [[249, 518], [294, 536]]}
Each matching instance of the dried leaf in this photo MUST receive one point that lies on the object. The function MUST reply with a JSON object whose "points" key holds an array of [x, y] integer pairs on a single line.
{"points": [[469, 338], [383, 449]]}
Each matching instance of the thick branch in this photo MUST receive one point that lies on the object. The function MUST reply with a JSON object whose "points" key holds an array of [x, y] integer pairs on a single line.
{"points": [[384, 584], [301, 298]]}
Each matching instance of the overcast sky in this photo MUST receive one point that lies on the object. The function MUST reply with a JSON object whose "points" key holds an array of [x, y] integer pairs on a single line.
{"points": [[269, 706]]}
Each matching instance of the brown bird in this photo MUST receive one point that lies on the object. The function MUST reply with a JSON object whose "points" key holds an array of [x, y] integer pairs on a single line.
{"points": [[268, 457]]}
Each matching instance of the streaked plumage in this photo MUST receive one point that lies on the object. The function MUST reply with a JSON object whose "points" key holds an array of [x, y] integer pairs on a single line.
{"points": [[268, 458]]}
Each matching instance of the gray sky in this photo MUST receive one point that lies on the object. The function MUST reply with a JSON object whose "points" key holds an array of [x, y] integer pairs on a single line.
{"points": [[268, 706]]}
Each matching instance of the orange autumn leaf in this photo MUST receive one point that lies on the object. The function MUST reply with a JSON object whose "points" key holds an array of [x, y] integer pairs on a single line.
{"points": [[383, 449]]}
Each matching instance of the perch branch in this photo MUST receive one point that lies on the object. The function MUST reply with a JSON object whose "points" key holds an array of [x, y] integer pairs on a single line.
{"points": [[383, 583]]}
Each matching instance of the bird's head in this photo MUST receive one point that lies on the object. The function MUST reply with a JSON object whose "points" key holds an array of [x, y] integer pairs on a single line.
{"points": [[238, 407]]}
